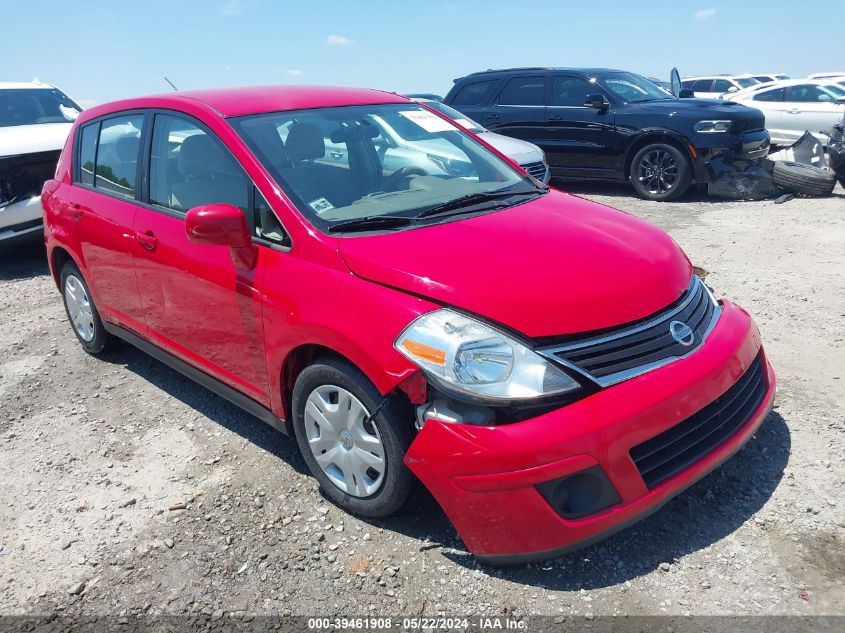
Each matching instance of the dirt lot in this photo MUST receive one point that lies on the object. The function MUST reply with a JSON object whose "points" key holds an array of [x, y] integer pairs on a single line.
{"points": [[96, 457]]}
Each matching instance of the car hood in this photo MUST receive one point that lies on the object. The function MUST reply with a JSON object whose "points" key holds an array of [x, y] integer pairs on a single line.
{"points": [[691, 107], [520, 151], [555, 265], [28, 139]]}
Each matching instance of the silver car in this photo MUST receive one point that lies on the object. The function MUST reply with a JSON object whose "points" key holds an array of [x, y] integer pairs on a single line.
{"points": [[530, 157]]}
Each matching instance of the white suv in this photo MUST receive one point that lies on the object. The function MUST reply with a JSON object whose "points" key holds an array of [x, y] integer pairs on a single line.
{"points": [[35, 119], [714, 86]]}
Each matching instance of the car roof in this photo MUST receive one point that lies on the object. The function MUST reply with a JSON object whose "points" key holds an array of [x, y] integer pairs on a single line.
{"points": [[532, 69], [231, 102], [24, 85]]}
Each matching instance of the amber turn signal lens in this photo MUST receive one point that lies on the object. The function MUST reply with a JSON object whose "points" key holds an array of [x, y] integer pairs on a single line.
{"points": [[425, 352]]}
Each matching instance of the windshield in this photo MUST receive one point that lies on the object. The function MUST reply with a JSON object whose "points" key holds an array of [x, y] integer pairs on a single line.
{"points": [[746, 82], [343, 164], [633, 88], [28, 106], [459, 118]]}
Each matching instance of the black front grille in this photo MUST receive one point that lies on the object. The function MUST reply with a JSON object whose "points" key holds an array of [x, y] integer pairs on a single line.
{"points": [[617, 355], [747, 125], [538, 170], [677, 448]]}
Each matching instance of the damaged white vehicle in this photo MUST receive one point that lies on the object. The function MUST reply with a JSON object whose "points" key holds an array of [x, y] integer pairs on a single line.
{"points": [[35, 119]]}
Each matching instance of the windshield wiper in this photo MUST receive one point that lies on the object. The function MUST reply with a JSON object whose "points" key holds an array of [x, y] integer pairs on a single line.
{"points": [[370, 223], [475, 198]]}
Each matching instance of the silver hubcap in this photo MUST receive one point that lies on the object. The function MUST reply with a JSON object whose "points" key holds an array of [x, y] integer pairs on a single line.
{"points": [[346, 445], [79, 308]]}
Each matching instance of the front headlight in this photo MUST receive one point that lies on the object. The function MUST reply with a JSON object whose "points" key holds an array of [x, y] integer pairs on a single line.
{"points": [[712, 127], [473, 358]]}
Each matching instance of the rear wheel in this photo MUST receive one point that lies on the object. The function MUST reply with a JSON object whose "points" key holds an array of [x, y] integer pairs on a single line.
{"points": [[82, 312], [660, 172], [352, 438]]}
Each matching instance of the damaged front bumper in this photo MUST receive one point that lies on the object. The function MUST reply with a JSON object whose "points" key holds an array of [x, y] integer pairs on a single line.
{"points": [[21, 222], [748, 147], [499, 485], [21, 179]]}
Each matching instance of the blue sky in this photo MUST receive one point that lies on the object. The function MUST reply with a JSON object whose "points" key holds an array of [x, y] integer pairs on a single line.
{"points": [[98, 51]]}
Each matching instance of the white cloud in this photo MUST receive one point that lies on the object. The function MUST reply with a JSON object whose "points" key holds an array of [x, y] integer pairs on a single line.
{"points": [[702, 15], [339, 40], [232, 7], [293, 72]]}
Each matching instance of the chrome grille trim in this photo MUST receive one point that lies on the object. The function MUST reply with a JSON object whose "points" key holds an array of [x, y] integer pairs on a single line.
{"points": [[576, 355]]}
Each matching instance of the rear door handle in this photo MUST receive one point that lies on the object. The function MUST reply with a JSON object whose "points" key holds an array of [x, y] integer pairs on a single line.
{"points": [[555, 117], [147, 239], [491, 116], [793, 111]]}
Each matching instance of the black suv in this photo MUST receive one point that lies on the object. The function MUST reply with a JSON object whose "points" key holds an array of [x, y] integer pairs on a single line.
{"points": [[597, 123]]}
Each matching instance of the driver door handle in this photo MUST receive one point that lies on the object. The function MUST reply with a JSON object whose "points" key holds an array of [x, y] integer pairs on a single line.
{"points": [[147, 239]]}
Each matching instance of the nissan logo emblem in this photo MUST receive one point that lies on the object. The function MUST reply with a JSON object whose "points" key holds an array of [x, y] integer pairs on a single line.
{"points": [[682, 333]]}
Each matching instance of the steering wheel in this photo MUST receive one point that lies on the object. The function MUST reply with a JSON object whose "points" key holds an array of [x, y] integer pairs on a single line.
{"points": [[394, 180]]}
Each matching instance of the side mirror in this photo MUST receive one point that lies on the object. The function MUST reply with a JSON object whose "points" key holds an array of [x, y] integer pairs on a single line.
{"points": [[596, 101], [222, 225], [686, 93], [733, 89]]}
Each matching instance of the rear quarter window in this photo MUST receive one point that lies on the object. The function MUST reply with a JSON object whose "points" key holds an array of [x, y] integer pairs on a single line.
{"points": [[88, 153]]}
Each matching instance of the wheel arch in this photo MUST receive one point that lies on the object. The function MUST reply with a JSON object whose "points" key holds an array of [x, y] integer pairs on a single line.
{"points": [[59, 256], [304, 354], [657, 136]]}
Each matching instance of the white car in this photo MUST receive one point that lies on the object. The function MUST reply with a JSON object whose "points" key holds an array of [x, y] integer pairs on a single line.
{"points": [[714, 86], [765, 78], [826, 75], [796, 106], [530, 157], [35, 119]]}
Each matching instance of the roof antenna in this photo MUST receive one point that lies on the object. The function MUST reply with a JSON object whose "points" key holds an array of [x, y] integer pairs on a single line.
{"points": [[175, 89]]}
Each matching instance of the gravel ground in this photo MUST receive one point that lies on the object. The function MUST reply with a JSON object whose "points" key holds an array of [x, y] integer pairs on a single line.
{"points": [[127, 489]]}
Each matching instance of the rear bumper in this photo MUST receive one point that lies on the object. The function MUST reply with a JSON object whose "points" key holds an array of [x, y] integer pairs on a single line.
{"points": [[21, 222], [485, 477]]}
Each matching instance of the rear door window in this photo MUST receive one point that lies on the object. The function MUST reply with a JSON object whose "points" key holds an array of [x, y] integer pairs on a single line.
{"points": [[770, 95], [525, 91], [475, 93], [118, 148], [702, 85]]}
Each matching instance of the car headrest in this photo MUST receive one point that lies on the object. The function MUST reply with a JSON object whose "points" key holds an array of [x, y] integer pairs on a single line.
{"points": [[359, 132], [126, 148], [200, 155], [305, 142]]}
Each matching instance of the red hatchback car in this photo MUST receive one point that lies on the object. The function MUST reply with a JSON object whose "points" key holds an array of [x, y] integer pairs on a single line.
{"points": [[549, 368]]}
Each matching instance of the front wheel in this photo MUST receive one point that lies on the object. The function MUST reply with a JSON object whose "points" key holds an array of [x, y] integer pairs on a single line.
{"points": [[660, 172], [352, 439]]}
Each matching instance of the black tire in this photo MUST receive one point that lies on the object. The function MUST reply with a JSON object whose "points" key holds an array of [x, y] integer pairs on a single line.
{"points": [[394, 424], [660, 172], [100, 340], [803, 179]]}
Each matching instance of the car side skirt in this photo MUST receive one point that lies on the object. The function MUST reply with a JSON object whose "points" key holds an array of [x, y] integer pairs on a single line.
{"points": [[209, 382]]}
